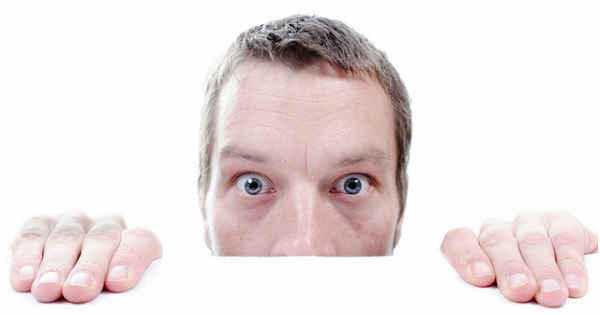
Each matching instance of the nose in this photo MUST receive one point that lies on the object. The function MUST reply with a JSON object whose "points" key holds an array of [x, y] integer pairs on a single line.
{"points": [[303, 246], [307, 224]]}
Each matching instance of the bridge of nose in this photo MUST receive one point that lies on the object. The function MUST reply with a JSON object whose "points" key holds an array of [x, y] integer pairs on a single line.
{"points": [[306, 219]]}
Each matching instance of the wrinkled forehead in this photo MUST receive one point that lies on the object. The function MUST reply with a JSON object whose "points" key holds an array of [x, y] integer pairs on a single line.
{"points": [[317, 81], [270, 105]]}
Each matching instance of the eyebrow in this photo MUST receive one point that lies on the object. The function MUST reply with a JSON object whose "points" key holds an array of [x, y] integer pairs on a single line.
{"points": [[369, 154]]}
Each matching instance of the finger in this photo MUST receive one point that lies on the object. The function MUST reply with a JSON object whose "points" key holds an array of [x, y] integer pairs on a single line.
{"points": [[27, 250], [137, 250], [537, 251], [568, 238], [514, 279], [461, 249], [60, 253], [86, 280]]}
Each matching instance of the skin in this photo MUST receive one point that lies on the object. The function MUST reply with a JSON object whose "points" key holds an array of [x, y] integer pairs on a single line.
{"points": [[45, 256], [315, 117], [312, 118]]}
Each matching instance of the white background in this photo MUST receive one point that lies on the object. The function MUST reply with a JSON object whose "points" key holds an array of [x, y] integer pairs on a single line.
{"points": [[99, 111]]}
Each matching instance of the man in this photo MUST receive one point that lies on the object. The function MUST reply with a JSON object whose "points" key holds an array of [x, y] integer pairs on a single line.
{"points": [[304, 150]]}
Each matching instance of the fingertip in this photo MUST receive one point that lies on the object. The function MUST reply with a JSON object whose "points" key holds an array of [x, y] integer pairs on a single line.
{"points": [[519, 287], [47, 286], [46, 292], [119, 286], [120, 278], [22, 277], [78, 295], [482, 282], [21, 285], [577, 292], [555, 298], [138, 249], [576, 284], [145, 239], [81, 286], [125, 275], [480, 274], [521, 295]]}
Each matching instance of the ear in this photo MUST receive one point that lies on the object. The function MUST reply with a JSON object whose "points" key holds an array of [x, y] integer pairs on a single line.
{"points": [[398, 232]]}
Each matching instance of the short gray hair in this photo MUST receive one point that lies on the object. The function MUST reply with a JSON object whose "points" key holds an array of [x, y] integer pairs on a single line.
{"points": [[298, 41]]}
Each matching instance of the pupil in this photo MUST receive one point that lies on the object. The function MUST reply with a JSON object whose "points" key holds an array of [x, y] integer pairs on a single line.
{"points": [[353, 185], [253, 185]]}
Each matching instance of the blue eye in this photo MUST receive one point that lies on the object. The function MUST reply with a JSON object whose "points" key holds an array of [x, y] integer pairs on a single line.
{"points": [[252, 184], [353, 184]]}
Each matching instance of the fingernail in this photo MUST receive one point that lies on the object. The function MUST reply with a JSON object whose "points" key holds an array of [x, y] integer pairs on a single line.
{"points": [[550, 285], [26, 272], [118, 273], [480, 269], [49, 277], [81, 279], [572, 280], [518, 280]]}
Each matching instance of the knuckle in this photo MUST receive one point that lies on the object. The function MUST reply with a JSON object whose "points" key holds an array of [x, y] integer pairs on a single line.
{"points": [[533, 239], [75, 214], [126, 253], [148, 239], [522, 218], [492, 224], [66, 234], [454, 235], [527, 213], [571, 261], [143, 233], [35, 220], [562, 213], [88, 264], [529, 216], [510, 266], [27, 236], [488, 223], [545, 268], [32, 234], [143, 243], [114, 219], [490, 238], [570, 238], [469, 256], [591, 241], [121, 220], [28, 257], [105, 232]]}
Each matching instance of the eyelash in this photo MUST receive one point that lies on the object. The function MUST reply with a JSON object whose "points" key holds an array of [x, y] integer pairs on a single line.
{"points": [[372, 181]]}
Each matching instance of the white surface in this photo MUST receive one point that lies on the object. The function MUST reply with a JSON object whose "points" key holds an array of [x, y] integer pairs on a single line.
{"points": [[99, 108], [305, 285]]}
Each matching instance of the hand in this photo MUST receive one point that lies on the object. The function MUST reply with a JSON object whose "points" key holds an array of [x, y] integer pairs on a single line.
{"points": [[537, 255], [47, 249]]}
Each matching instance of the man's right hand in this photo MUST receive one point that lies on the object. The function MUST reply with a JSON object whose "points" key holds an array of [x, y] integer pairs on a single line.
{"points": [[74, 256]]}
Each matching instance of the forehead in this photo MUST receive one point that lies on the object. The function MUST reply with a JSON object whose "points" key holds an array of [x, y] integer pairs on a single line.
{"points": [[267, 105]]}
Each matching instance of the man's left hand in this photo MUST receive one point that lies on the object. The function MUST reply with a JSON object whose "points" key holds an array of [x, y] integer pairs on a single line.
{"points": [[537, 255]]}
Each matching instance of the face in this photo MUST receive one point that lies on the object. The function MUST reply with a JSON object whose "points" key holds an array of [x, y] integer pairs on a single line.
{"points": [[304, 163]]}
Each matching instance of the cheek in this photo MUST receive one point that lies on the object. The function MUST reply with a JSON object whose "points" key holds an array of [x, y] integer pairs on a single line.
{"points": [[376, 234], [237, 234], [229, 232]]}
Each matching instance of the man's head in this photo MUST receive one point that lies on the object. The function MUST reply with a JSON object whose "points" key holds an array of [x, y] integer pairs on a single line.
{"points": [[305, 137]]}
